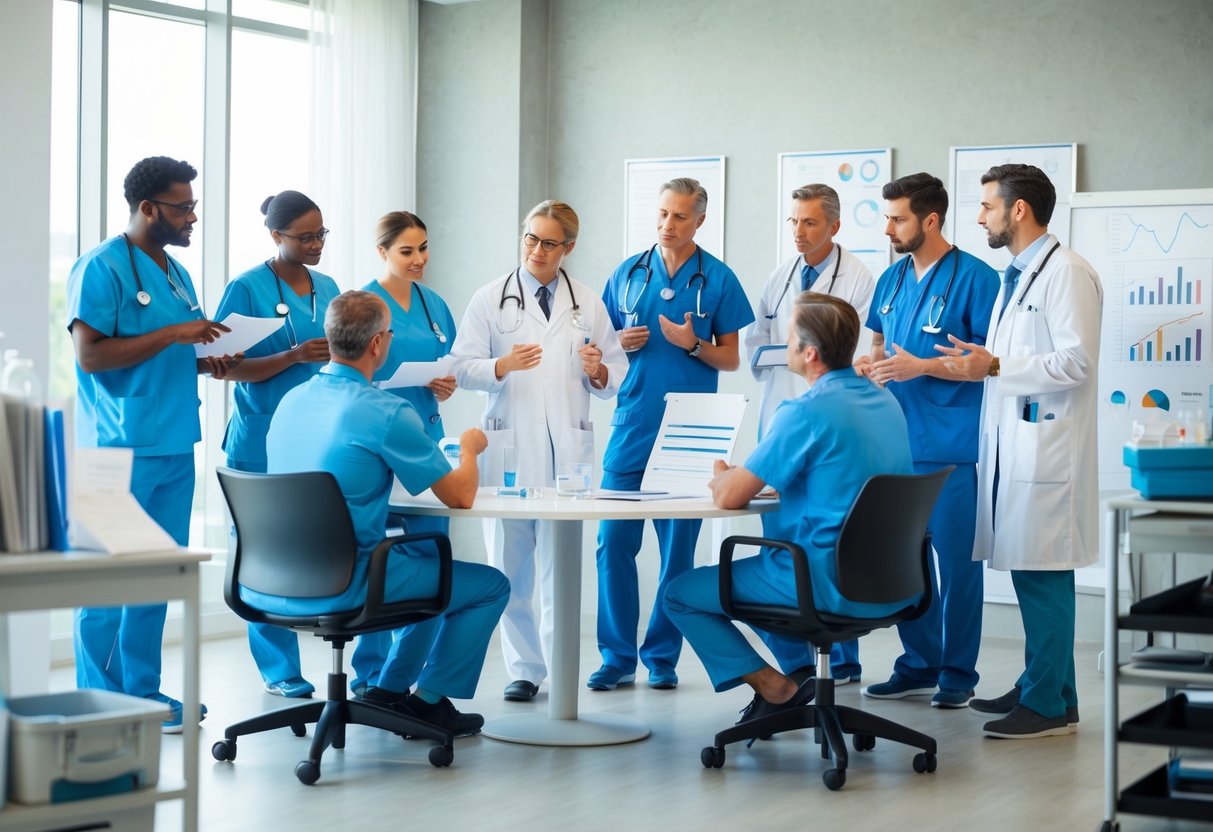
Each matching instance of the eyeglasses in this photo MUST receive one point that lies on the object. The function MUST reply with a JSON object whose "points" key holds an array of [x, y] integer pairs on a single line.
{"points": [[307, 239], [181, 208], [530, 241]]}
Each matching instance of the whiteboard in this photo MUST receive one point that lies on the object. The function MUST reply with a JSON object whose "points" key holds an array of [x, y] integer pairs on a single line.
{"points": [[642, 178], [966, 165], [858, 176]]}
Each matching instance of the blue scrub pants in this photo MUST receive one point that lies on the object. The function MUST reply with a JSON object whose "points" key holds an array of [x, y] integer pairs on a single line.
{"points": [[941, 646], [443, 654], [118, 648], [693, 603], [1046, 605], [618, 588]]}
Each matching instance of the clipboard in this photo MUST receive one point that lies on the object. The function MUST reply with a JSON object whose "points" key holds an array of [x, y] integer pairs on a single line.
{"points": [[769, 355]]}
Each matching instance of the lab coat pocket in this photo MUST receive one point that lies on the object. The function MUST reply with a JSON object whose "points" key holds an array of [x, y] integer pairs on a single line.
{"points": [[132, 422], [1042, 451], [492, 461]]}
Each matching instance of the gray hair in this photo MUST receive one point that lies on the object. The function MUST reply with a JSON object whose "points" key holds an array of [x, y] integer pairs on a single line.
{"points": [[828, 323], [688, 187], [827, 195], [353, 318]]}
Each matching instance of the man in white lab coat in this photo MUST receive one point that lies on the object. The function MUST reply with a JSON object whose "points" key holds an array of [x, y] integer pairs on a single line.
{"points": [[1038, 496]]}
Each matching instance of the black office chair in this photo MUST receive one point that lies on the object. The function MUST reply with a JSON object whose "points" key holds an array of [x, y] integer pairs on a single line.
{"points": [[294, 537], [881, 556]]}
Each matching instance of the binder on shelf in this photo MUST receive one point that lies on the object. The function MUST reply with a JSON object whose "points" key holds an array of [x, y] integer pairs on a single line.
{"points": [[56, 482]]}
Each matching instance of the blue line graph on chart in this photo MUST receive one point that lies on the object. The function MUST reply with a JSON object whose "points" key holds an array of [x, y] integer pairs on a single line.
{"points": [[1153, 232]]}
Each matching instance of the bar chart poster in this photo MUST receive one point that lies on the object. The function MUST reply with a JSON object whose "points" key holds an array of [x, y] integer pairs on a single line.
{"points": [[1154, 253]]}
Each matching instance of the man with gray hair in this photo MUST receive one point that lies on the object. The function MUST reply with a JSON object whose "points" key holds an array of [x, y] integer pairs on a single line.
{"points": [[366, 438], [679, 312], [824, 267]]}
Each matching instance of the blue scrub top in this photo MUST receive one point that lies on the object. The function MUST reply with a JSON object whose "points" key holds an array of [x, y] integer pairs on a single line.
{"points": [[365, 437], [151, 407], [943, 415], [255, 293], [413, 339], [819, 450], [661, 367]]}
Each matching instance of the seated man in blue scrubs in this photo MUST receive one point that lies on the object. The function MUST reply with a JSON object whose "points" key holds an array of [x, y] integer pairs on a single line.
{"points": [[818, 451], [366, 437]]}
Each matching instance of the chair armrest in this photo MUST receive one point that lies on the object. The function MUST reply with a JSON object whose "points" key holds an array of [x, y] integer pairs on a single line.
{"points": [[800, 565], [928, 593], [376, 607]]}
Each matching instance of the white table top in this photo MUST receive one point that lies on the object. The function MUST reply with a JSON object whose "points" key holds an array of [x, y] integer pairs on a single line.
{"points": [[1134, 500], [79, 560], [488, 504]]}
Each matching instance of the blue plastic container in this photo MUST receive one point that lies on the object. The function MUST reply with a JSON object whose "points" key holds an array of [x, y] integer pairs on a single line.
{"points": [[1181, 472]]}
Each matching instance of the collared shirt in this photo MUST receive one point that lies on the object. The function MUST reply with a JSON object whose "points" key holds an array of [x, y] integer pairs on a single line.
{"points": [[818, 452], [823, 268], [255, 293], [1021, 260], [150, 407]]}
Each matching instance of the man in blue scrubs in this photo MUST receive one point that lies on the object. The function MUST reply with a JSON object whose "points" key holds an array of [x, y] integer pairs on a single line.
{"points": [[134, 318], [678, 311], [818, 451], [934, 292], [367, 437]]}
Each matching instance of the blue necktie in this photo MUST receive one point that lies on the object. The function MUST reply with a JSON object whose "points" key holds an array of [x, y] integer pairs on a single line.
{"points": [[1010, 280], [807, 275], [543, 294]]}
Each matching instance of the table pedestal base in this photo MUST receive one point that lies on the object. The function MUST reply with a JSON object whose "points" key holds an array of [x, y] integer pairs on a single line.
{"points": [[587, 729]]}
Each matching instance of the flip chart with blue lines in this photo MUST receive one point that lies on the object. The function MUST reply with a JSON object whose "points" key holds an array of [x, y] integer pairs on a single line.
{"points": [[696, 430]]}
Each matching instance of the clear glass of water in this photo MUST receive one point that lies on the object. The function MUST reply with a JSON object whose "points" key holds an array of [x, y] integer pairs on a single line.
{"points": [[573, 479]]}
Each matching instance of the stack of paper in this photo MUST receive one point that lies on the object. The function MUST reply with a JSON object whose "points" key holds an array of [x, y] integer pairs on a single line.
{"points": [[23, 526], [105, 515]]}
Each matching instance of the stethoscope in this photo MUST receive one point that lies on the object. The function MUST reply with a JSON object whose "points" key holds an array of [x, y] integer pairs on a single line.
{"points": [[520, 301], [937, 303], [667, 293], [1032, 277], [425, 307], [142, 296], [792, 274], [283, 311]]}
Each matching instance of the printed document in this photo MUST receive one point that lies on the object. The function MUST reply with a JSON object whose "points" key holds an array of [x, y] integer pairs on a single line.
{"points": [[696, 430], [419, 373], [246, 332], [104, 515]]}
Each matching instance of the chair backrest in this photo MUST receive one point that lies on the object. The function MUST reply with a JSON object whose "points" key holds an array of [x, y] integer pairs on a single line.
{"points": [[879, 550], [294, 535]]}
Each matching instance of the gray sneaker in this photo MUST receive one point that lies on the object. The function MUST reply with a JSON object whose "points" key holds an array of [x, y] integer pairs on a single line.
{"points": [[1007, 702], [1023, 723]]}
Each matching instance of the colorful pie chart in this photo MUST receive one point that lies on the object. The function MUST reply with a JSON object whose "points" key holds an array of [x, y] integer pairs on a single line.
{"points": [[1156, 398], [845, 172]]}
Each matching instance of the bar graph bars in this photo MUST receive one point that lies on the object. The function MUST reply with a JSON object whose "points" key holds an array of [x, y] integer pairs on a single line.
{"points": [[1168, 291], [1172, 342]]}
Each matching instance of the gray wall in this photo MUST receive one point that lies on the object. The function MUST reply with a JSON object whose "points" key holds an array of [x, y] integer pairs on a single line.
{"points": [[1130, 82]]}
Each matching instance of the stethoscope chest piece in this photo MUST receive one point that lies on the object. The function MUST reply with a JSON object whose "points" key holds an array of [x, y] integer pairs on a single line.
{"points": [[282, 309], [143, 298], [667, 293]]}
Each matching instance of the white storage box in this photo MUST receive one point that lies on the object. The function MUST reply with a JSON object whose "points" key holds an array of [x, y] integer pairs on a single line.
{"points": [[81, 744]]}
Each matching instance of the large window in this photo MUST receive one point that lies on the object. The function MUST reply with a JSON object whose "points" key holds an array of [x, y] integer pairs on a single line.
{"points": [[65, 133]]}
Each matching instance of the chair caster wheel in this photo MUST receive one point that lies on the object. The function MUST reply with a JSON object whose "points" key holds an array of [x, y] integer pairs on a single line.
{"points": [[224, 751], [299, 730], [441, 756], [924, 763], [834, 778], [307, 772], [712, 757], [863, 742], [1109, 826]]}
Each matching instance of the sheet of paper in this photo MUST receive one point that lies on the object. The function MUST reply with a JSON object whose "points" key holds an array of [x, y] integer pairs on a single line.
{"points": [[246, 332], [419, 373], [770, 355], [633, 496], [104, 514], [696, 430]]}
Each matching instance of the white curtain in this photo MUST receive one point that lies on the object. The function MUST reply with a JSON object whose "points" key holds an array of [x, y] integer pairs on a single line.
{"points": [[364, 67]]}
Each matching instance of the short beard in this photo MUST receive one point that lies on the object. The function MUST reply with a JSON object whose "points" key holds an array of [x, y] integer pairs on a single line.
{"points": [[999, 239], [913, 245], [165, 234]]}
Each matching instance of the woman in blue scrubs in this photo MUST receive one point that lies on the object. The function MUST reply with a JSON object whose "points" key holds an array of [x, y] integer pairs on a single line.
{"points": [[422, 326], [281, 287]]}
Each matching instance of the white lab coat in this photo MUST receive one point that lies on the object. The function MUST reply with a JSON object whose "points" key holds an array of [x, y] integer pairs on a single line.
{"points": [[544, 412], [854, 284], [1048, 480]]}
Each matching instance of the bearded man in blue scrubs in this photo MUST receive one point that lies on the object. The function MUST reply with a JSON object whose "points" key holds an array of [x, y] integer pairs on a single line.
{"points": [[678, 311], [934, 292], [134, 318], [367, 438], [818, 451]]}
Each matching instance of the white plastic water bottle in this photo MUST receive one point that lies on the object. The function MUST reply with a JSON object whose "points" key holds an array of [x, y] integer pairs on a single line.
{"points": [[19, 378]]}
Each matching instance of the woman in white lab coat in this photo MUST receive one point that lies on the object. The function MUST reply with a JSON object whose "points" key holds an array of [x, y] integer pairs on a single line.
{"points": [[539, 344]]}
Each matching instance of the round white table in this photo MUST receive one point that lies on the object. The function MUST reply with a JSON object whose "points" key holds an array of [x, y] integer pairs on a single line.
{"points": [[563, 725]]}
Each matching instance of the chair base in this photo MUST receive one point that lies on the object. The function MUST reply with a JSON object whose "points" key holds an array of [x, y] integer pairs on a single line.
{"points": [[331, 717], [830, 723]]}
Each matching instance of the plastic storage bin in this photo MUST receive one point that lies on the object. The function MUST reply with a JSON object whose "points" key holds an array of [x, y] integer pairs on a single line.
{"points": [[1178, 472], [82, 744]]}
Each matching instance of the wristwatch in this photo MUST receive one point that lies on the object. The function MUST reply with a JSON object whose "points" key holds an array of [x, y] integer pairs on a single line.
{"points": [[694, 351], [994, 368]]}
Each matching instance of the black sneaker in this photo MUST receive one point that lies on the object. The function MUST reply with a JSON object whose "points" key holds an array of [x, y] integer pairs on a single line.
{"points": [[1001, 705], [761, 707], [444, 715], [393, 700]]}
